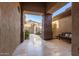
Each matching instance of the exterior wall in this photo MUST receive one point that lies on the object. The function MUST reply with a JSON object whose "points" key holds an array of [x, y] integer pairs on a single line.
{"points": [[63, 25], [75, 24], [33, 27], [9, 27]]}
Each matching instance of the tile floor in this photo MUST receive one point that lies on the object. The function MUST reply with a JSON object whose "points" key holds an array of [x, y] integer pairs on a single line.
{"points": [[35, 46]]}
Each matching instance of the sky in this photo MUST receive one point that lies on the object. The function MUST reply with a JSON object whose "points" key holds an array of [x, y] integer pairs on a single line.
{"points": [[39, 18], [34, 18]]}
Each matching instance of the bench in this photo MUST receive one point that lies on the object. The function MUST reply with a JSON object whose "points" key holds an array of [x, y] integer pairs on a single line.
{"points": [[65, 35]]}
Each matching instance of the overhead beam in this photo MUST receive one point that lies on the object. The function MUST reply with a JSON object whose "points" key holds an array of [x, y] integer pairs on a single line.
{"points": [[52, 7], [62, 15], [33, 13], [34, 7]]}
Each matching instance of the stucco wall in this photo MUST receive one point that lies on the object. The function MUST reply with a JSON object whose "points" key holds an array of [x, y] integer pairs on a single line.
{"points": [[75, 24], [9, 28], [64, 25]]}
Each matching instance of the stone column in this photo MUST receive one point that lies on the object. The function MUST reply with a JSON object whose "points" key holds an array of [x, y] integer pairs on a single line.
{"points": [[75, 24], [47, 26]]}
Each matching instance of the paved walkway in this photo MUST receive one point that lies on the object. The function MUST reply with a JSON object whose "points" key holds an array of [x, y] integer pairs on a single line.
{"points": [[35, 46]]}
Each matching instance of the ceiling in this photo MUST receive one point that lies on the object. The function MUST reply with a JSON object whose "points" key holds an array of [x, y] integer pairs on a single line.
{"points": [[40, 8]]}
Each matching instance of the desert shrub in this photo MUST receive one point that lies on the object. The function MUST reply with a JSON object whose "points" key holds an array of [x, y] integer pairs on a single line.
{"points": [[27, 34]]}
